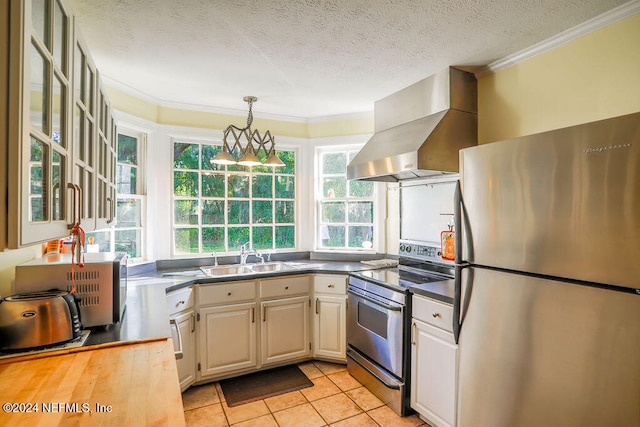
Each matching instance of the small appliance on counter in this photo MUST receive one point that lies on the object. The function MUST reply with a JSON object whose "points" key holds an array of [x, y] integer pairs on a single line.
{"points": [[38, 319], [101, 284]]}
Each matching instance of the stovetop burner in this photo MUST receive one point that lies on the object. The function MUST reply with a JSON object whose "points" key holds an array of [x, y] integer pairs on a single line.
{"points": [[408, 274]]}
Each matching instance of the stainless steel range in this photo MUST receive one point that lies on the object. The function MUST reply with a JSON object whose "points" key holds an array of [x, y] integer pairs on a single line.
{"points": [[378, 319]]}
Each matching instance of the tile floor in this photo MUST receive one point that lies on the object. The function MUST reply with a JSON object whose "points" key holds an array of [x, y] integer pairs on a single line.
{"points": [[336, 399]]}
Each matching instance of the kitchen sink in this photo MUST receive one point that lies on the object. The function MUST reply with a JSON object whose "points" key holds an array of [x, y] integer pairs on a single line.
{"points": [[226, 270], [235, 269], [271, 266]]}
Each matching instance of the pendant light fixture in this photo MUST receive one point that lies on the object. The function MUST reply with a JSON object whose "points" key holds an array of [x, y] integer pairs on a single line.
{"points": [[241, 140]]}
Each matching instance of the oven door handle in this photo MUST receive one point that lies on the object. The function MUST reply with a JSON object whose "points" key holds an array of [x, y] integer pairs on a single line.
{"points": [[376, 302], [352, 356]]}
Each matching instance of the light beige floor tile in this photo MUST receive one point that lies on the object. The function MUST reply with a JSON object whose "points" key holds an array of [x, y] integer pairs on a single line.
{"points": [[310, 370], [284, 401], [329, 368], [322, 387], [335, 408], [362, 420], [344, 380], [245, 412], [302, 415], [197, 397], [364, 398], [263, 421], [387, 418], [210, 416]]}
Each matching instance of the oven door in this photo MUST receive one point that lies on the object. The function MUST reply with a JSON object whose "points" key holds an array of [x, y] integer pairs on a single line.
{"points": [[375, 328]]}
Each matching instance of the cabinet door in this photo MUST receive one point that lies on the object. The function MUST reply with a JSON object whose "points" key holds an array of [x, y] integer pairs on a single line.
{"points": [[106, 157], [227, 338], [84, 130], [434, 372], [285, 329], [187, 365], [330, 327], [39, 162]]}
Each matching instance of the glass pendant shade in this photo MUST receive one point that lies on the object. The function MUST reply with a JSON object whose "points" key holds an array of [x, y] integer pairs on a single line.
{"points": [[274, 161], [223, 158], [249, 159]]}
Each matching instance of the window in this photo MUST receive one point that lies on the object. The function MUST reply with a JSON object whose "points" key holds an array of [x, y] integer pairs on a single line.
{"points": [[127, 235], [219, 208], [345, 208]]}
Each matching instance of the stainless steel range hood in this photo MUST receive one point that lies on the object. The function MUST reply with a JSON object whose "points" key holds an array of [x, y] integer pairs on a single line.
{"points": [[420, 129]]}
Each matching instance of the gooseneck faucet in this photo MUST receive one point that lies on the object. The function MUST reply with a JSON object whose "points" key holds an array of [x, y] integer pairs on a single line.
{"points": [[244, 254]]}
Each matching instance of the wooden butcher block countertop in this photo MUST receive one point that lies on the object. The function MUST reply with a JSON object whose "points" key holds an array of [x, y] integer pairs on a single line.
{"points": [[122, 385]]}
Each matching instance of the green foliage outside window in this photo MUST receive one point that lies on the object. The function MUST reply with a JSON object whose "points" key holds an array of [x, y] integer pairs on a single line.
{"points": [[218, 208]]}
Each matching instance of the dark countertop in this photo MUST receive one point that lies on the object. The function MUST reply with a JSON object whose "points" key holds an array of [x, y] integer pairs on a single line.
{"points": [[146, 314]]}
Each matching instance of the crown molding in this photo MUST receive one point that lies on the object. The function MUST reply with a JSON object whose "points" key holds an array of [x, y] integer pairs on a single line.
{"points": [[122, 87], [338, 117], [614, 15]]}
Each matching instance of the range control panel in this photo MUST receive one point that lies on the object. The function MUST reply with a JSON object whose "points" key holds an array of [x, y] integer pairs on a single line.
{"points": [[422, 252]]}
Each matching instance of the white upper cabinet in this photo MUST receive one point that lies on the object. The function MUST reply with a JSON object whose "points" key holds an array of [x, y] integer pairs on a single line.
{"points": [[58, 173], [39, 140]]}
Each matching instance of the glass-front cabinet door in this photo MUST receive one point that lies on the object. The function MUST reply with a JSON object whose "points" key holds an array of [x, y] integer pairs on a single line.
{"points": [[61, 152], [39, 141], [85, 114], [107, 156]]}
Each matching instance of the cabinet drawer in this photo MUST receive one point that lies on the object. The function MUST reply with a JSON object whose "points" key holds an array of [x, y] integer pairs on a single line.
{"points": [[285, 286], [180, 300], [330, 284], [225, 293], [433, 312]]}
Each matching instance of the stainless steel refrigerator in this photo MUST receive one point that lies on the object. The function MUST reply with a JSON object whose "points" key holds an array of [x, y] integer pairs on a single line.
{"points": [[548, 283]]}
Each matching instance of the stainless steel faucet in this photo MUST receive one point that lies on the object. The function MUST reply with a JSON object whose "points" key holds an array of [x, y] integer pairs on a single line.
{"points": [[215, 258], [244, 254]]}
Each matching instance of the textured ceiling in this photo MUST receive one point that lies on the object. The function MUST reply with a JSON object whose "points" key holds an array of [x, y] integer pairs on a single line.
{"points": [[307, 58]]}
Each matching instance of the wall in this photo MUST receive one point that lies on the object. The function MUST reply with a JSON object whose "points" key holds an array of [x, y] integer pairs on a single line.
{"points": [[591, 78]]}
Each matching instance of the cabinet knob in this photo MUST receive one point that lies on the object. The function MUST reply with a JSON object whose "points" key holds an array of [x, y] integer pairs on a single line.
{"points": [[436, 314], [332, 286], [229, 294], [179, 303], [286, 287]]}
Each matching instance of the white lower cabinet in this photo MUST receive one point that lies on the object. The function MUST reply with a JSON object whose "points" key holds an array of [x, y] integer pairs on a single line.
{"points": [[245, 325], [329, 317], [227, 338], [183, 333], [434, 362], [285, 330], [186, 324]]}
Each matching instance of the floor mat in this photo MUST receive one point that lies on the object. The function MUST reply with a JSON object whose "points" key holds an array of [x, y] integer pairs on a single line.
{"points": [[264, 384]]}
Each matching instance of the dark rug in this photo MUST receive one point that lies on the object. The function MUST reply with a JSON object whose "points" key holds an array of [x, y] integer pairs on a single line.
{"points": [[264, 384]]}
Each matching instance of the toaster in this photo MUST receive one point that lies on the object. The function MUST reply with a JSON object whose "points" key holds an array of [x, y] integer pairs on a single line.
{"points": [[38, 319]]}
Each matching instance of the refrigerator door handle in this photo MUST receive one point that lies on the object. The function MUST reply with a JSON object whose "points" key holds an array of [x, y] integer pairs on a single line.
{"points": [[460, 265], [457, 219], [457, 298]]}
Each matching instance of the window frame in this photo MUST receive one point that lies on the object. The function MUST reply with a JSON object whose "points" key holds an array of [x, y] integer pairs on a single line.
{"points": [[377, 198], [140, 196], [250, 198]]}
